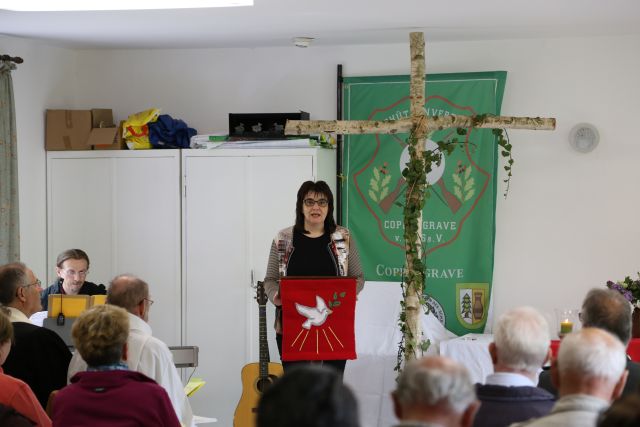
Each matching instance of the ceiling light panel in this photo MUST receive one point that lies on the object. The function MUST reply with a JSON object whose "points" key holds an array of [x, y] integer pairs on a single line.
{"points": [[84, 5]]}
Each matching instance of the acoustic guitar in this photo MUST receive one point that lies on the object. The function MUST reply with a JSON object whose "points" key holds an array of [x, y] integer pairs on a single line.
{"points": [[256, 377]]}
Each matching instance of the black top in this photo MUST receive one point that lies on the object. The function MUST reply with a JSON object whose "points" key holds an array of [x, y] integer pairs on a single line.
{"points": [[38, 357], [311, 256], [631, 386], [87, 288]]}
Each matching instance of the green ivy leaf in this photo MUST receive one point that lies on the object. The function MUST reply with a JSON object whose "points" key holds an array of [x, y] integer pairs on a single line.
{"points": [[342, 294]]}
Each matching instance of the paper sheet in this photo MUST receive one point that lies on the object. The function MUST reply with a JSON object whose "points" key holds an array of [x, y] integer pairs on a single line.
{"points": [[193, 385]]}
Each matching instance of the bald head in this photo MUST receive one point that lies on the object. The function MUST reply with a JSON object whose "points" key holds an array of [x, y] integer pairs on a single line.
{"points": [[129, 292], [435, 389]]}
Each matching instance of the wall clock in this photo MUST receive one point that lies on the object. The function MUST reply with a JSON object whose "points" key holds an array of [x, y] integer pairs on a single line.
{"points": [[584, 137]]}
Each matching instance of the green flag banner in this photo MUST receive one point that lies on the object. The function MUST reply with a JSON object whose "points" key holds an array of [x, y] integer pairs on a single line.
{"points": [[459, 216]]}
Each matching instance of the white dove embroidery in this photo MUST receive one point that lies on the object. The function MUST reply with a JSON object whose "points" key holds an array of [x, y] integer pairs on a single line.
{"points": [[316, 316]]}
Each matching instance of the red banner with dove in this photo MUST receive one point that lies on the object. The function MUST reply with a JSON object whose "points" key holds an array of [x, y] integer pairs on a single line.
{"points": [[318, 315]]}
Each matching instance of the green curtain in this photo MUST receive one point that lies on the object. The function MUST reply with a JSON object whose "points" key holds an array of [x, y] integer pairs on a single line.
{"points": [[9, 225]]}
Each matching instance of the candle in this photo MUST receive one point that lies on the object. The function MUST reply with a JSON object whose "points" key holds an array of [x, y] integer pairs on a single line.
{"points": [[566, 326]]}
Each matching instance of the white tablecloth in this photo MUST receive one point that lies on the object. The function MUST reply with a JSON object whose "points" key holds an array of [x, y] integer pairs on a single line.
{"points": [[371, 376], [472, 351]]}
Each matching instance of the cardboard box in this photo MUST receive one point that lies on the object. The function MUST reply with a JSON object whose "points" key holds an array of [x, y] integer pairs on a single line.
{"points": [[82, 130], [261, 126], [109, 138], [67, 129]]}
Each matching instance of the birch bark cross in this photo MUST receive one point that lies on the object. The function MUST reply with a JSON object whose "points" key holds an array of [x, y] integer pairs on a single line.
{"points": [[418, 125]]}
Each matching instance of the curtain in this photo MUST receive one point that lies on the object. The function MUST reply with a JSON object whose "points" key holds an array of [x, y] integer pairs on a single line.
{"points": [[9, 225]]}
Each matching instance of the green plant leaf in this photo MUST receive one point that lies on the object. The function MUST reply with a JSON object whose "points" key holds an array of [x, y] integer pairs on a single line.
{"points": [[457, 192], [336, 304], [384, 193], [469, 184], [342, 294]]}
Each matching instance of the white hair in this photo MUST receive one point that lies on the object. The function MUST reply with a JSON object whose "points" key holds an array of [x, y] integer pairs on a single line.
{"points": [[521, 336], [442, 384], [592, 352]]}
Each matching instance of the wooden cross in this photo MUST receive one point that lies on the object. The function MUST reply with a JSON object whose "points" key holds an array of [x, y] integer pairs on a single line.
{"points": [[418, 125]]}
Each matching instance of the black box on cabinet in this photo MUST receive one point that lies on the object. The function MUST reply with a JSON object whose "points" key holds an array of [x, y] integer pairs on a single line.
{"points": [[261, 125]]}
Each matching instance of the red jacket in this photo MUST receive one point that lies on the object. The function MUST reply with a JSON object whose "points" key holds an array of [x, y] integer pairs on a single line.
{"points": [[113, 399]]}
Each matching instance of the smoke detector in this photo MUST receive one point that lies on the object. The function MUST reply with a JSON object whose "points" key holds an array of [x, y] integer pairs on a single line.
{"points": [[302, 41]]}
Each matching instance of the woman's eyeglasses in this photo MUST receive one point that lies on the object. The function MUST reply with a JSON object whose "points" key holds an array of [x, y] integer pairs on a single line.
{"points": [[321, 202]]}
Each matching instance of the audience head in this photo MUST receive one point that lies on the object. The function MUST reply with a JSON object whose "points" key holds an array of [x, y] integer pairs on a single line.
{"points": [[6, 335], [609, 310], [19, 288], [520, 342], [591, 361], [435, 389], [100, 335], [318, 190], [131, 293], [309, 396], [72, 267], [624, 412]]}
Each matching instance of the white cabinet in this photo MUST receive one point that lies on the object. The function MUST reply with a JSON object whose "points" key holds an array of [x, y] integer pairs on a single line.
{"points": [[123, 209], [197, 225], [234, 201]]}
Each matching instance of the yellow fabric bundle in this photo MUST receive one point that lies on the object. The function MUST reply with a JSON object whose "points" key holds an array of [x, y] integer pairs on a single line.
{"points": [[136, 131]]}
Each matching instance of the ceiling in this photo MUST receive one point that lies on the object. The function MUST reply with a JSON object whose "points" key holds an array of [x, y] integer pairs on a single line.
{"points": [[330, 22]]}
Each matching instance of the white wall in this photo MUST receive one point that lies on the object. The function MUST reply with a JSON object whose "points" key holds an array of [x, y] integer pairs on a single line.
{"points": [[44, 80], [570, 220]]}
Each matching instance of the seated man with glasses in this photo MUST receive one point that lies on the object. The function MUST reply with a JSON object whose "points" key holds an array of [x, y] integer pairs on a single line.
{"points": [[72, 267], [38, 356], [146, 353]]}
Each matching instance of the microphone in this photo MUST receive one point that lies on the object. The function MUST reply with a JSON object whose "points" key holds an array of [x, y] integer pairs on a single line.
{"points": [[61, 319]]}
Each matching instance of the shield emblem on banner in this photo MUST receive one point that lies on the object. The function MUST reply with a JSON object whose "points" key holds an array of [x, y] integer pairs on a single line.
{"points": [[473, 299], [318, 315]]}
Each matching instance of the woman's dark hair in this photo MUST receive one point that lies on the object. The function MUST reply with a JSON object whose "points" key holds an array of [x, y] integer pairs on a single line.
{"points": [[309, 396], [318, 187]]}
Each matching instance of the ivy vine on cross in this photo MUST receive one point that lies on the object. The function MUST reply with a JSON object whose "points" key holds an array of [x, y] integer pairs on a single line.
{"points": [[418, 125]]}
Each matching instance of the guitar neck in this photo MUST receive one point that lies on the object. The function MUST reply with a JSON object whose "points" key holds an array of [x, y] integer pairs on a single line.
{"points": [[264, 345]]}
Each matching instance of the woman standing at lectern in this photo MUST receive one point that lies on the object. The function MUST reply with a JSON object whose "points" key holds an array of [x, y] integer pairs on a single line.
{"points": [[314, 246]]}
